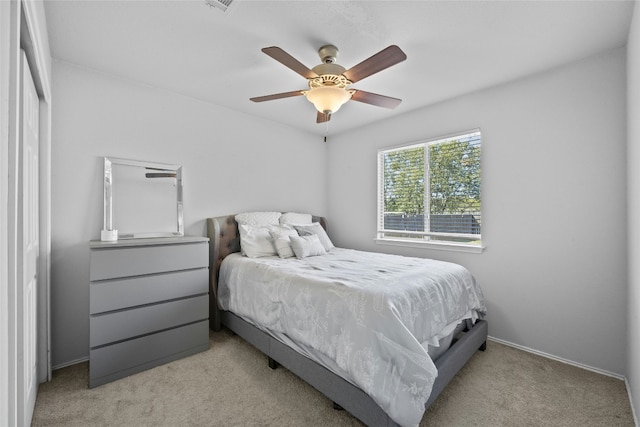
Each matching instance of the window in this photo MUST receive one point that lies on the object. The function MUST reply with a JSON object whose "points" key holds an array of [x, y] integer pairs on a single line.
{"points": [[429, 192]]}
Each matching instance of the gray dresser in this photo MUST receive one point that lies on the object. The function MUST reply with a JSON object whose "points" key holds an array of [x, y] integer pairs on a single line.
{"points": [[149, 304]]}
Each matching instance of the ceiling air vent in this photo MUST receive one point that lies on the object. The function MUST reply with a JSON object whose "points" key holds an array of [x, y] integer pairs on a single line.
{"points": [[223, 5]]}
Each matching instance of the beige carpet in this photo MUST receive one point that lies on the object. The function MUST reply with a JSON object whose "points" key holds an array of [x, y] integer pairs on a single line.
{"points": [[231, 385]]}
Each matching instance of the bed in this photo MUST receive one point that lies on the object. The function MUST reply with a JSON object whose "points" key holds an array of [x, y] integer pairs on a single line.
{"points": [[254, 306]]}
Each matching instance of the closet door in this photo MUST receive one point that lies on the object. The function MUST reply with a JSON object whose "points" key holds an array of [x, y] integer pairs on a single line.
{"points": [[28, 245]]}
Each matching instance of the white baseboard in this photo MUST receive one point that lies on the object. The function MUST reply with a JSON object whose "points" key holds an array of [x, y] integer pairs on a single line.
{"points": [[559, 359], [633, 410]]}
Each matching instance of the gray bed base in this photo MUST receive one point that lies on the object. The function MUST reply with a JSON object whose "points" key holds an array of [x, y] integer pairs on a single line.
{"points": [[224, 239]]}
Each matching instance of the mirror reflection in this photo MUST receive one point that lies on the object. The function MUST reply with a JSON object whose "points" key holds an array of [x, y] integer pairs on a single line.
{"points": [[142, 199]]}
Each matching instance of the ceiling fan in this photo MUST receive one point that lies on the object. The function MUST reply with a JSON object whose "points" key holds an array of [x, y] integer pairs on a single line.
{"points": [[329, 82]]}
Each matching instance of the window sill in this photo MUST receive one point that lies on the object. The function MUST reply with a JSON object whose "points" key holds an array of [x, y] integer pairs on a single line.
{"points": [[444, 246]]}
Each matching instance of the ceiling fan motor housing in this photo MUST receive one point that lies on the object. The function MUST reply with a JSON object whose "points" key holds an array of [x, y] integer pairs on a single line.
{"points": [[334, 80], [328, 68]]}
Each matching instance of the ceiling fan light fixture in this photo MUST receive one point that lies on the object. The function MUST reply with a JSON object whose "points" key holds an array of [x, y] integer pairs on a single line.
{"points": [[328, 92], [328, 99]]}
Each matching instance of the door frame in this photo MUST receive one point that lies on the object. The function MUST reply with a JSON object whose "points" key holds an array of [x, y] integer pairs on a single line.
{"points": [[22, 24], [9, 38]]}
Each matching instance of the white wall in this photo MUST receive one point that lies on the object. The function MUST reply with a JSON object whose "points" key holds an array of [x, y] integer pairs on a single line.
{"points": [[554, 204], [633, 167], [231, 162]]}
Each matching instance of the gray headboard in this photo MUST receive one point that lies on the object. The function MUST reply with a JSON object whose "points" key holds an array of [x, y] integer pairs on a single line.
{"points": [[224, 239]]}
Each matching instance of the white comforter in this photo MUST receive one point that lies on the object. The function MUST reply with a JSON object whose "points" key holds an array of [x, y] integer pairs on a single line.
{"points": [[371, 314]]}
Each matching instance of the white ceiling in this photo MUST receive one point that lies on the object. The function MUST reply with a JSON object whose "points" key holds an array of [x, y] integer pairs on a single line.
{"points": [[452, 47]]}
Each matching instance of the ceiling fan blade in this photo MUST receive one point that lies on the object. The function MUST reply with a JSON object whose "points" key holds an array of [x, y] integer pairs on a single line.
{"points": [[277, 96], [375, 99], [289, 61], [322, 117], [378, 62]]}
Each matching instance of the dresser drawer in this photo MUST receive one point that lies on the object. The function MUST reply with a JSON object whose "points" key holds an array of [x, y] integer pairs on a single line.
{"points": [[121, 325], [125, 358], [111, 263], [116, 294]]}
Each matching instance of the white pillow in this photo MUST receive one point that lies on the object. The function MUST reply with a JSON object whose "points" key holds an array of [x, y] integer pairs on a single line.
{"points": [[304, 246], [258, 218], [316, 228], [295, 218], [255, 241], [281, 241]]}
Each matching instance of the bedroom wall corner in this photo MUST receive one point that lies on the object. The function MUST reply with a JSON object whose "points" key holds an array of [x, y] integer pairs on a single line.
{"points": [[231, 162], [633, 189]]}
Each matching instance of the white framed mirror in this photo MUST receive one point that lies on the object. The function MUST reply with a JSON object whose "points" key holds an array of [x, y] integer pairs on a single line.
{"points": [[141, 199]]}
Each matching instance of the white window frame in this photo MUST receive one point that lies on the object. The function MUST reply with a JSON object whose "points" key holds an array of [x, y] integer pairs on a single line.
{"points": [[383, 237]]}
